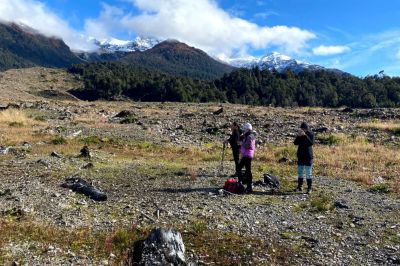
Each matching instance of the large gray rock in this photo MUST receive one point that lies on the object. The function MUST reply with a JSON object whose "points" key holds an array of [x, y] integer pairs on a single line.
{"points": [[162, 247]]}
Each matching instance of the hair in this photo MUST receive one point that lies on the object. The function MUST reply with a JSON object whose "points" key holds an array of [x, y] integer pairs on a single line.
{"points": [[304, 126]]}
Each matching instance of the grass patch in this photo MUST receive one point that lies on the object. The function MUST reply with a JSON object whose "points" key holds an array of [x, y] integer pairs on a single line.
{"points": [[321, 202], [82, 241], [16, 124], [380, 188], [332, 139], [129, 120], [389, 126], [40, 118], [14, 116], [318, 202], [226, 248], [58, 140]]}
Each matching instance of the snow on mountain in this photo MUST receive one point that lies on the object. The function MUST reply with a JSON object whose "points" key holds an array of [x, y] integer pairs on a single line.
{"points": [[273, 61], [113, 45]]}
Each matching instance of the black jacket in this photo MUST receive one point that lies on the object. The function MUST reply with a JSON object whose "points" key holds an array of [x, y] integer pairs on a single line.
{"points": [[234, 139], [305, 150]]}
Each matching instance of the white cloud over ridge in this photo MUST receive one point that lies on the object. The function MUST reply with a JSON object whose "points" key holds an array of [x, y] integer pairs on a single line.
{"points": [[330, 50], [200, 23], [203, 24], [37, 16]]}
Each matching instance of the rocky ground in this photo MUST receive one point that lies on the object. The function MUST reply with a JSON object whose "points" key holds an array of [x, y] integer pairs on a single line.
{"points": [[160, 166]]}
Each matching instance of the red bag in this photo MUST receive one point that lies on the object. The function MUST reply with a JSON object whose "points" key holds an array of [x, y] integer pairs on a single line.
{"points": [[233, 186]]}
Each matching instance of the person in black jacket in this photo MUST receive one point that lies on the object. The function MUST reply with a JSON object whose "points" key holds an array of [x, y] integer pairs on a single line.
{"points": [[304, 141], [234, 141]]}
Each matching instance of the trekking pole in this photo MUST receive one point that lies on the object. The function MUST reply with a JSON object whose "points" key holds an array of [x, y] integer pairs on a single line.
{"points": [[222, 157]]}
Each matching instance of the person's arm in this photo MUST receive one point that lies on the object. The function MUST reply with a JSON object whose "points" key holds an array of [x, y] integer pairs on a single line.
{"points": [[309, 138], [297, 140]]}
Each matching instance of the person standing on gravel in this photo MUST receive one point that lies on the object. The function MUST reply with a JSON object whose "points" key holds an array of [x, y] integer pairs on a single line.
{"points": [[247, 150], [304, 140], [234, 141]]}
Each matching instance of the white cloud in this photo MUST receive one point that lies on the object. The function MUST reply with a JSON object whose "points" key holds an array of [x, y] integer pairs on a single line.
{"points": [[203, 24], [103, 26], [330, 50], [37, 16]]}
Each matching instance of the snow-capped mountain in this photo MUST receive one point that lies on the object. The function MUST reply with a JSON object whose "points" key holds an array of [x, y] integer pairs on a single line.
{"points": [[273, 61], [114, 45]]}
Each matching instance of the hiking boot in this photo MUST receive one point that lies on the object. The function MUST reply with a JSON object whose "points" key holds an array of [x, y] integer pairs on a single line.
{"points": [[298, 189], [299, 184], [309, 186], [249, 188]]}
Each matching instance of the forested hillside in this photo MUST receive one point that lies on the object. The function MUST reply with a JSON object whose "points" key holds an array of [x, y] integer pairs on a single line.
{"points": [[23, 47], [308, 88]]}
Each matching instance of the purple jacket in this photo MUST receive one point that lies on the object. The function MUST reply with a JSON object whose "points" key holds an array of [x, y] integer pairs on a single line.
{"points": [[248, 146]]}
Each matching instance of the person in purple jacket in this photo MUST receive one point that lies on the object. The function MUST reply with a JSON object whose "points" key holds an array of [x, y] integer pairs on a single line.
{"points": [[247, 149]]}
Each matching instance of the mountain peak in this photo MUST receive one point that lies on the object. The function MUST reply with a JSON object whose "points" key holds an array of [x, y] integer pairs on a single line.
{"points": [[112, 45], [274, 61], [277, 56]]}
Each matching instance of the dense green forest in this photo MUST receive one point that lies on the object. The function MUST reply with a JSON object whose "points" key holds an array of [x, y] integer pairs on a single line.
{"points": [[110, 80], [178, 59], [247, 86]]}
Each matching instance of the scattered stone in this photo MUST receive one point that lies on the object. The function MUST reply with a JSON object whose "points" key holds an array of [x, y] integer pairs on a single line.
{"points": [[6, 192], [85, 152], [88, 166], [4, 150], [212, 130], [284, 160], [321, 130], [348, 110], [162, 247], [219, 111], [17, 212], [43, 162], [55, 154], [341, 205], [124, 114]]}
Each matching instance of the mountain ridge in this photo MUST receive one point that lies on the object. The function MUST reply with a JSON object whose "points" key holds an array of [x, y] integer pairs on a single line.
{"points": [[22, 46], [277, 62]]}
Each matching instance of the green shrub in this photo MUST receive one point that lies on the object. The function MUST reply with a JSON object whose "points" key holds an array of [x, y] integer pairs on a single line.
{"points": [[330, 139], [129, 120], [40, 118], [321, 202], [16, 124], [59, 140], [380, 188]]}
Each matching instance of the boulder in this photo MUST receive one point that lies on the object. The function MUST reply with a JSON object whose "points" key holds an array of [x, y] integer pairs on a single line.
{"points": [[85, 152], [162, 247], [124, 114], [219, 111]]}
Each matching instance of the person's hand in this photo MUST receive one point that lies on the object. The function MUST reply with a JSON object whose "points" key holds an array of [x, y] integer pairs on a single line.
{"points": [[301, 133]]}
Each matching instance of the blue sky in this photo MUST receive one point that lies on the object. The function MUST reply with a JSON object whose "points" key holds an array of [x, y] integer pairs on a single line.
{"points": [[360, 37]]}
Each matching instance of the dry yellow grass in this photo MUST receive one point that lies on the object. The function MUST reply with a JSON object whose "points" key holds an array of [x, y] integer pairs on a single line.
{"points": [[16, 127], [393, 126], [352, 159], [14, 116]]}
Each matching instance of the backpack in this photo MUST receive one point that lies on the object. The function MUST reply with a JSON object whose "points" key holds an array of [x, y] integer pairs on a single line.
{"points": [[272, 181], [233, 186]]}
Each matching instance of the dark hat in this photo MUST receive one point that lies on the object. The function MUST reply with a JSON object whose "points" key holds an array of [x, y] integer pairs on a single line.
{"points": [[304, 126]]}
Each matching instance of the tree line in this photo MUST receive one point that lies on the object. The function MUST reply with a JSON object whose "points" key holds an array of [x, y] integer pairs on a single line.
{"points": [[325, 88]]}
